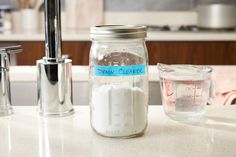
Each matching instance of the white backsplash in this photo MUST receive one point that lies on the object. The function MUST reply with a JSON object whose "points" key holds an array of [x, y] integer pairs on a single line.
{"points": [[24, 85], [24, 93], [152, 18]]}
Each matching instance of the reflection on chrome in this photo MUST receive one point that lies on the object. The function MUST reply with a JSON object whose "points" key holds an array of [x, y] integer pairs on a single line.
{"points": [[49, 146], [6, 141]]}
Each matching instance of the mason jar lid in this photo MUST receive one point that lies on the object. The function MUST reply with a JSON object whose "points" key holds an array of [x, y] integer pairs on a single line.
{"points": [[118, 32]]}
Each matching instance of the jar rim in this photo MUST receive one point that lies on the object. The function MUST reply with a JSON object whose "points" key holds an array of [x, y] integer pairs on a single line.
{"points": [[118, 31]]}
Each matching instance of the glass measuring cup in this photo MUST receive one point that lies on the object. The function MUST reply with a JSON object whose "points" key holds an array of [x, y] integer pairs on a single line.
{"points": [[185, 90]]}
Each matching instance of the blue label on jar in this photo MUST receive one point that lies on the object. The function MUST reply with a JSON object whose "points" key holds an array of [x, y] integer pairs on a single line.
{"points": [[128, 70]]}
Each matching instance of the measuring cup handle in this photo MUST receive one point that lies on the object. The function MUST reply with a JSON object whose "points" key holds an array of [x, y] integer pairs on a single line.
{"points": [[212, 91]]}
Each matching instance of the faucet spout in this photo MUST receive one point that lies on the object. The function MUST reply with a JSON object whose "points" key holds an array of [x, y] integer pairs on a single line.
{"points": [[53, 29], [54, 72]]}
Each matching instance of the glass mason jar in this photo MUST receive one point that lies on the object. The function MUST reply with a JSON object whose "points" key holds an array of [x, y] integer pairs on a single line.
{"points": [[118, 80]]}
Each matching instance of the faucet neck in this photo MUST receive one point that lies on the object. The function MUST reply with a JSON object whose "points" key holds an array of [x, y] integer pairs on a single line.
{"points": [[52, 29]]}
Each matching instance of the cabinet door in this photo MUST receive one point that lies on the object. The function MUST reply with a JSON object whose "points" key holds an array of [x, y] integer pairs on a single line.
{"points": [[33, 51], [203, 53]]}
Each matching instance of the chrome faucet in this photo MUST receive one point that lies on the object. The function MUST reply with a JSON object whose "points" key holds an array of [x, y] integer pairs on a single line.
{"points": [[54, 72], [5, 92]]}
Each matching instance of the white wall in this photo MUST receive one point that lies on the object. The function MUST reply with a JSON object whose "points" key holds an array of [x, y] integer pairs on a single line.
{"points": [[7, 2]]}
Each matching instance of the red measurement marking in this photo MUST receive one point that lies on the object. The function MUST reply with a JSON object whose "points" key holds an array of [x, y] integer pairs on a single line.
{"points": [[170, 102], [192, 96], [196, 104], [191, 82], [209, 77], [168, 88], [188, 96], [188, 82], [169, 93]]}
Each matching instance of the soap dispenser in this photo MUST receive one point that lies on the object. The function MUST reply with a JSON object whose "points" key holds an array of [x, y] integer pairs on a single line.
{"points": [[5, 93]]}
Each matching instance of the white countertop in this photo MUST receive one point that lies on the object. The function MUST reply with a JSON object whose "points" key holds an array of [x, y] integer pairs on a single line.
{"points": [[24, 134], [152, 36]]}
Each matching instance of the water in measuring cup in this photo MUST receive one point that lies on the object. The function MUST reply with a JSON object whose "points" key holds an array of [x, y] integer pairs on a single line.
{"points": [[185, 96], [184, 99]]}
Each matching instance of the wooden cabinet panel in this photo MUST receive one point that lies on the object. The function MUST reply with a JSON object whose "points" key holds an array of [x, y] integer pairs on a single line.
{"points": [[33, 51], [211, 53], [78, 51], [205, 53]]}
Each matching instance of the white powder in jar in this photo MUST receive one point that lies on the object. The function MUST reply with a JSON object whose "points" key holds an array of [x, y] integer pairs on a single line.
{"points": [[118, 110]]}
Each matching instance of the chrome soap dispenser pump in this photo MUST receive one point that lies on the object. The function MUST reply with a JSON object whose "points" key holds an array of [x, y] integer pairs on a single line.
{"points": [[54, 72], [5, 92]]}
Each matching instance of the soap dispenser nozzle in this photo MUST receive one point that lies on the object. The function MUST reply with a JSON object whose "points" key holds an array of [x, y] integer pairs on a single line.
{"points": [[5, 92]]}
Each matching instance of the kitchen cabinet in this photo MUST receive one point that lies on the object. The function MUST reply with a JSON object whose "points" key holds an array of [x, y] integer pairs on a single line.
{"points": [[170, 52], [32, 51], [203, 53]]}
